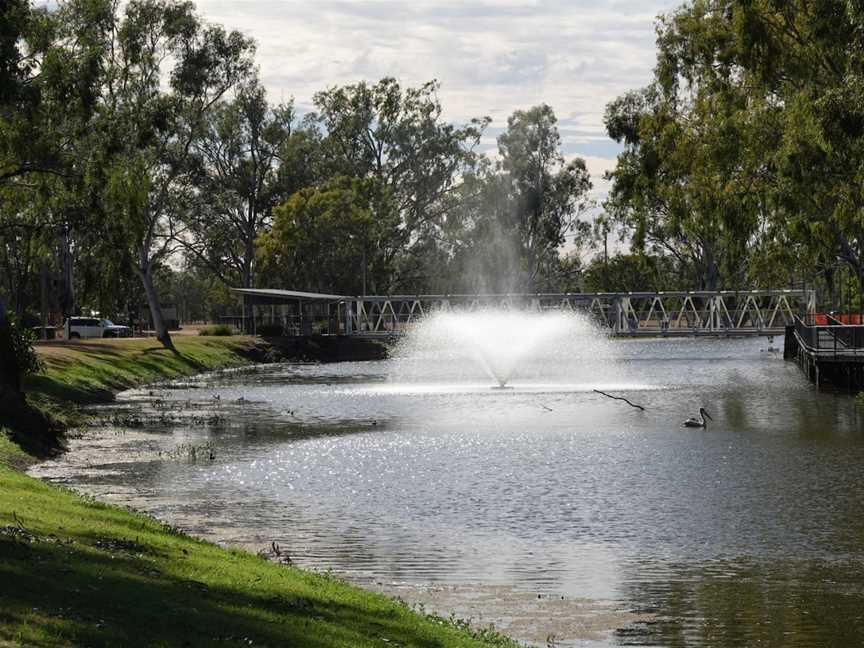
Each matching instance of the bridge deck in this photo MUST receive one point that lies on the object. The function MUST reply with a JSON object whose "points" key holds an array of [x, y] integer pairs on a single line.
{"points": [[636, 314]]}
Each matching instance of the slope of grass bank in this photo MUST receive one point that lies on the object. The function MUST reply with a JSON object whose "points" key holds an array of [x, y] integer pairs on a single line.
{"points": [[76, 572], [92, 371]]}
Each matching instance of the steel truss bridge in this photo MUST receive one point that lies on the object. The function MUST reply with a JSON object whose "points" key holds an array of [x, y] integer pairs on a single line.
{"points": [[682, 313], [685, 313]]}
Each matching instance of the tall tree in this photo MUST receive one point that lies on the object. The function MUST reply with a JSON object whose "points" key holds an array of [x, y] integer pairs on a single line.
{"points": [[341, 225], [747, 149], [240, 151], [43, 94], [148, 129], [399, 138], [549, 194]]}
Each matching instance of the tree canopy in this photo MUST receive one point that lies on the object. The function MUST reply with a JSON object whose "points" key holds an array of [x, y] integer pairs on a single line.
{"points": [[142, 164], [743, 157]]}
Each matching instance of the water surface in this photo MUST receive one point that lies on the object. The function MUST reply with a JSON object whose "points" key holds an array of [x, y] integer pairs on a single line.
{"points": [[548, 509]]}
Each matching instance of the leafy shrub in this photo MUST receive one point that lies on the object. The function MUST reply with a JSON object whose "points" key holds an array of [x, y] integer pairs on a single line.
{"points": [[22, 339], [217, 329], [17, 357]]}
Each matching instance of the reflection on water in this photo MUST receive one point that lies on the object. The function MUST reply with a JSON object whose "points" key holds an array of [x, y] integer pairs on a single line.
{"points": [[631, 529]]}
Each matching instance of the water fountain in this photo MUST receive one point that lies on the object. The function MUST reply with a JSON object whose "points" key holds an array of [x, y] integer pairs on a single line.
{"points": [[500, 345]]}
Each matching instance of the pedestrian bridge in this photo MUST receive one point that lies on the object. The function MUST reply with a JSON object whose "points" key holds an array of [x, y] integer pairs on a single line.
{"points": [[672, 313]]}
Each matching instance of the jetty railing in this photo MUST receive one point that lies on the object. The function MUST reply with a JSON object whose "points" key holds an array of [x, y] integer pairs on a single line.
{"points": [[826, 336], [828, 349]]}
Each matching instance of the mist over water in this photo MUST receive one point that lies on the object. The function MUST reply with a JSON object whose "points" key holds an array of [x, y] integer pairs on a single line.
{"points": [[557, 349]]}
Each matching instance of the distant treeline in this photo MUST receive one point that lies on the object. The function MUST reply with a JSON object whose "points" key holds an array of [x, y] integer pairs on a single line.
{"points": [[141, 163]]}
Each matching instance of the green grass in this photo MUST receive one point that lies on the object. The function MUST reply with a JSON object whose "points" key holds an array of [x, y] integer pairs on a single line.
{"points": [[90, 371], [76, 572]]}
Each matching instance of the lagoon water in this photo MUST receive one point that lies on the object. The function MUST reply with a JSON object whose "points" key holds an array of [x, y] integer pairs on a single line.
{"points": [[554, 512]]}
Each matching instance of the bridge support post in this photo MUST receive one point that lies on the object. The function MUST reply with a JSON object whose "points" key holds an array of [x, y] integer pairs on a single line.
{"points": [[349, 328]]}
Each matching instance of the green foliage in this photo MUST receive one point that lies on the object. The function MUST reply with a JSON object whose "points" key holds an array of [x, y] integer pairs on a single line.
{"points": [[398, 139], [743, 159], [238, 155], [335, 226], [216, 330], [548, 194], [631, 273], [26, 359]]}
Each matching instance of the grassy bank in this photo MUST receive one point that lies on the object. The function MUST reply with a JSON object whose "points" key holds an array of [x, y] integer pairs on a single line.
{"points": [[74, 571], [92, 371]]}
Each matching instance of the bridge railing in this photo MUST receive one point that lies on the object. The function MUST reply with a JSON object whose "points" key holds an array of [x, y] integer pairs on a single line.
{"points": [[661, 313]]}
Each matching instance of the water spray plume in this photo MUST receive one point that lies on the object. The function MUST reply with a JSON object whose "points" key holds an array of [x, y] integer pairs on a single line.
{"points": [[454, 346]]}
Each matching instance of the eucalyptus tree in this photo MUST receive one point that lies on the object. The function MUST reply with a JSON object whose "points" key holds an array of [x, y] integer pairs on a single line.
{"points": [[399, 138], [240, 151], [806, 59], [164, 70], [750, 141], [341, 225], [549, 194], [692, 180], [47, 90], [682, 186]]}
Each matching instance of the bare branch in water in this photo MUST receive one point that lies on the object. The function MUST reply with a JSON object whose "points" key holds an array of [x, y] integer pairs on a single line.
{"points": [[597, 391]]}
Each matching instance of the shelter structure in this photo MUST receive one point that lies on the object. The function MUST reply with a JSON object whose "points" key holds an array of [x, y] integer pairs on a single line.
{"points": [[269, 311]]}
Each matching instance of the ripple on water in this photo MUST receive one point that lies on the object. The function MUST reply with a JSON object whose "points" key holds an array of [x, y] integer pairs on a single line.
{"points": [[472, 500]]}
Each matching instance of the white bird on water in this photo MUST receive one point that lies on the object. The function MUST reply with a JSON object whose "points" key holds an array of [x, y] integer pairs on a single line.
{"points": [[700, 422]]}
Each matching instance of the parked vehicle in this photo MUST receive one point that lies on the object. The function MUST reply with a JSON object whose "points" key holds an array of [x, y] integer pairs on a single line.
{"points": [[94, 327], [110, 329]]}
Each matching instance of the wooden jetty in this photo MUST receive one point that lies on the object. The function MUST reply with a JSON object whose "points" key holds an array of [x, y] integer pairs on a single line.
{"points": [[829, 348]]}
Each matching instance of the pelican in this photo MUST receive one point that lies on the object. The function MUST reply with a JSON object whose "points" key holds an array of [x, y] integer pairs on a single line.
{"points": [[700, 422]]}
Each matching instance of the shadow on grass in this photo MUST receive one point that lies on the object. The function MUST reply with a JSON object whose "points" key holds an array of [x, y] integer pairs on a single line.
{"points": [[56, 593], [36, 432]]}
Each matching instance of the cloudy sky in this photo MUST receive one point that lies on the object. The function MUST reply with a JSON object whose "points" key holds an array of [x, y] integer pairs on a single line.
{"points": [[491, 57]]}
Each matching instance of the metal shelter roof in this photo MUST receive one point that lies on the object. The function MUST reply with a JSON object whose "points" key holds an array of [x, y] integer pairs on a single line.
{"points": [[273, 293]]}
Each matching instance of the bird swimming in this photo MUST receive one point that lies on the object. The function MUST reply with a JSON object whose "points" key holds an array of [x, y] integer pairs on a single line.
{"points": [[700, 422]]}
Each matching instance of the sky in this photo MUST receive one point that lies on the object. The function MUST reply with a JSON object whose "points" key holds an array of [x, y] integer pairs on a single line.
{"points": [[491, 57]]}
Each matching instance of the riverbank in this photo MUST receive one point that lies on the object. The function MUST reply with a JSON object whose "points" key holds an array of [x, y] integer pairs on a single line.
{"points": [[85, 372], [79, 572]]}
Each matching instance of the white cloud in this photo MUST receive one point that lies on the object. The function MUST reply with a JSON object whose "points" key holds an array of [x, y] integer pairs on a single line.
{"points": [[491, 56]]}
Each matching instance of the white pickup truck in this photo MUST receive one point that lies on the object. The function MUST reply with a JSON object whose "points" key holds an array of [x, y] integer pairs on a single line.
{"points": [[94, 327]]}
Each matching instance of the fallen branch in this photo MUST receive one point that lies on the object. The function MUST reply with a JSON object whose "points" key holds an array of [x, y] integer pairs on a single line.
{"points": [[639, 407]]}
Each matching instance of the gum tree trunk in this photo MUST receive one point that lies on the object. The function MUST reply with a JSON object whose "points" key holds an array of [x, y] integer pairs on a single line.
{"points": [[162, 334]]}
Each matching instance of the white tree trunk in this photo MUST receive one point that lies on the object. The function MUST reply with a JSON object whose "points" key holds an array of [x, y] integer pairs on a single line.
{"points": [[162, 334]]}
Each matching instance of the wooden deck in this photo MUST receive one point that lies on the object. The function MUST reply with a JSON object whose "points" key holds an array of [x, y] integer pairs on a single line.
{"points": [[829, 351]]}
